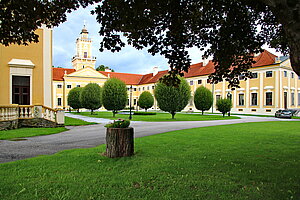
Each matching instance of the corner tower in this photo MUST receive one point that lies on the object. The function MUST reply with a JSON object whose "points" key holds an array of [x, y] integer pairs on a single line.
{"points": [[83, 57]]}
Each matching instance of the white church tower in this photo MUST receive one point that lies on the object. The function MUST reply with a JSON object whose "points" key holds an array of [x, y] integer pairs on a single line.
{"points": [[83, 57]]}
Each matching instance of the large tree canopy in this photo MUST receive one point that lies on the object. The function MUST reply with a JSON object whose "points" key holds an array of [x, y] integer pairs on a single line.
{"points": [[229, 31]]}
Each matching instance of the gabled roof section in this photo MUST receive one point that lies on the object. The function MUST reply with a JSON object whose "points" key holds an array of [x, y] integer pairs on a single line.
{"points": [[149, 78], [58, 73], [194, 70], [128, 79], [87, 72], [265, 58]]}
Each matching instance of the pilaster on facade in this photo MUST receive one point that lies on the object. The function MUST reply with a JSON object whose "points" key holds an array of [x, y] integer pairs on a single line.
{"points": [[261, 89]]}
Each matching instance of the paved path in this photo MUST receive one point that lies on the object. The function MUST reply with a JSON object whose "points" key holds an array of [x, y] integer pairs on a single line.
{"points": [[94, 135]]}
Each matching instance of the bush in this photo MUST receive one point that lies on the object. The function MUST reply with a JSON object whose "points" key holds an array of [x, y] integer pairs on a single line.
{"points": [[114, 95], [203, 99], [90, 97], [146, 100], [172, 99], [120, 123], [144, 113], [74, 98], [224, 105]]}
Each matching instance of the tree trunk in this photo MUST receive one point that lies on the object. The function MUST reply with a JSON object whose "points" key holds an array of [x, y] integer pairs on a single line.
{"points": [[114, 113], [119, 142], [202, 112], [288, 14], [91, 111], [173, 114], [78, 110], [223, 114]]}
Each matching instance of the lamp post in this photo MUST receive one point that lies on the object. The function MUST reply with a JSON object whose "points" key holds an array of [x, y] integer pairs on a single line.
{"points": [[130, 98], [229, 96]]}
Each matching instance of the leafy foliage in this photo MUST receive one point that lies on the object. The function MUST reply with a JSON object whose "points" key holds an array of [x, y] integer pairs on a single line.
{"points": [[90, 97], [203, 98], [224, 105], [19, 19], [103, 68], [146, 100], [74, 98], [226, 30], [172, 99], [114, 95], [120, 123]]}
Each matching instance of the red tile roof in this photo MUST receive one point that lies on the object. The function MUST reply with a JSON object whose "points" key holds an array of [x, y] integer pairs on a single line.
{"points": [[129, 79], [265, 58], [58, 73]]}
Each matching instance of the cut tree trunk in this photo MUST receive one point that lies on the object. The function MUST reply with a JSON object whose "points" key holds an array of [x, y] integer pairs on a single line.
{"points": [[119, 142]]}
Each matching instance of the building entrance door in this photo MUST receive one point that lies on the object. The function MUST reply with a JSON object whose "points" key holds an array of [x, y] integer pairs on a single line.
{"points": [[285, 100], [21, 90]]}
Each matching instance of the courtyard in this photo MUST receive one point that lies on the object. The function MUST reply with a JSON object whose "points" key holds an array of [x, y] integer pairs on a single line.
{"points": [[227, 161]]}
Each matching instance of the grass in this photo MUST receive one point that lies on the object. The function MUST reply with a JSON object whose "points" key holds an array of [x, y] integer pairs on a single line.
{"points": [[159, 117], [236, 162], [15, 134], [76, 122], [294, 117]]}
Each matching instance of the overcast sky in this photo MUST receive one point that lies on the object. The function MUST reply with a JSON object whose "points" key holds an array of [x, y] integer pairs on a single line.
{"points": [[128, 60]]}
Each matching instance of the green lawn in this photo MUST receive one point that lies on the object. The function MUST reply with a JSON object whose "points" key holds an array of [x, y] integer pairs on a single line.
{"points": [[242, 161], [76, 122], [160, 117], [28, 132]]}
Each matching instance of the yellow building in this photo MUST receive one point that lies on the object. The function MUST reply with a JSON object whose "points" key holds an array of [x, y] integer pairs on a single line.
{"points": [[26, 77], [274, 85]]}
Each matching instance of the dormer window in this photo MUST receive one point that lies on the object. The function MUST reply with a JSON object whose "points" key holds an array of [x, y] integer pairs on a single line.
{"points": [[85, 54]]}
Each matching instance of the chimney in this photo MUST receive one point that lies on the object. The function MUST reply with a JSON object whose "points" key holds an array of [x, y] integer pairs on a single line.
{"points": [[107, 70], [155, 70], [205, 62]]}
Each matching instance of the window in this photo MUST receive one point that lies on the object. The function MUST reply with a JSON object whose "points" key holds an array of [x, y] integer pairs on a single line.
{"points": [[269, 73], [139, 89], [69, 86], [293, 98], [292, 74], [128, 89], [59, 86], [134, 101], [143, 88], [199, 82], [285, 73], [134, 89], [127, 102], [254, 75], [152, 87], [269, 98], [148, 88], [241, 99], [77, 85], [253, 99], [85, 55], [218, 97], [298, 99], [191, 82], [298, 77], [59, 101], [208, 81]]}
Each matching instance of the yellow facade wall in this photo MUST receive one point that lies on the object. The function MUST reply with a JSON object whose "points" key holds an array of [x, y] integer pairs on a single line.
{"points": [[33, 52]]}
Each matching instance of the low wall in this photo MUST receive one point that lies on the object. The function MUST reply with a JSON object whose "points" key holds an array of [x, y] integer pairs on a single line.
{"points": [[37, 123], [7, 125]]}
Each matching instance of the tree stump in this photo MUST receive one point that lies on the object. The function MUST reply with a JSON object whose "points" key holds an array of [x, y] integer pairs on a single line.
{"points": [[119, 142]]}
